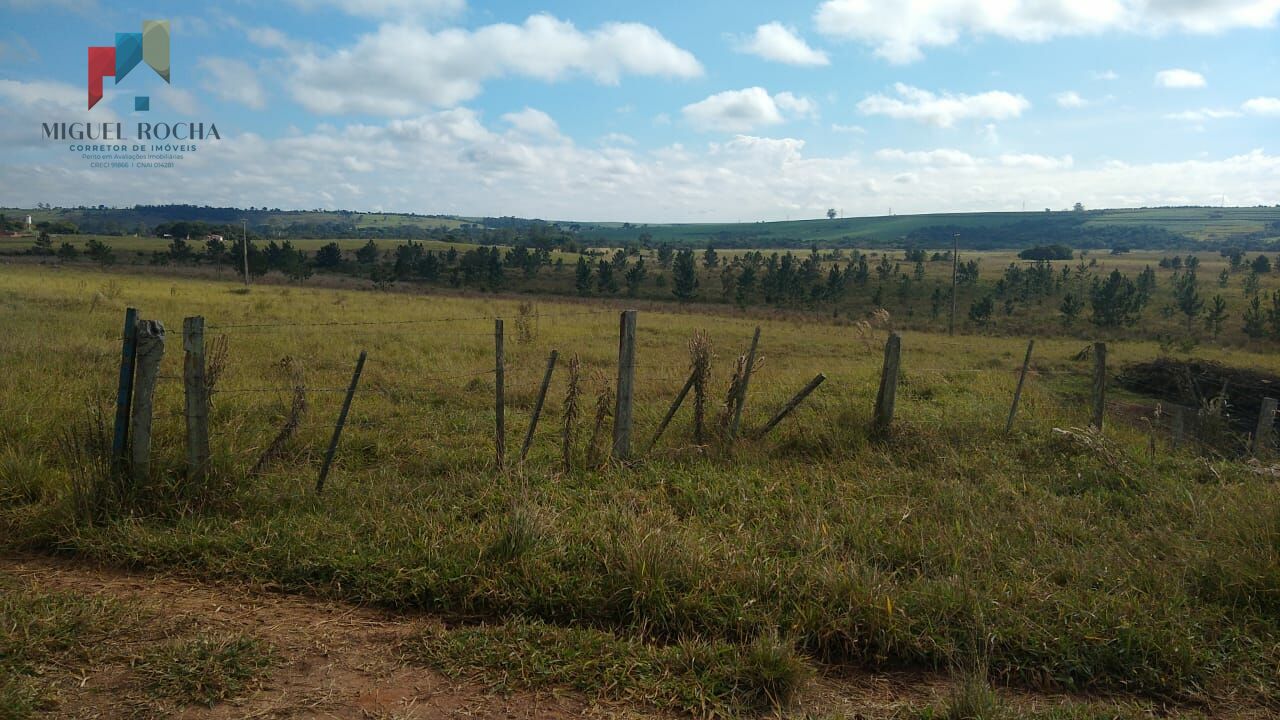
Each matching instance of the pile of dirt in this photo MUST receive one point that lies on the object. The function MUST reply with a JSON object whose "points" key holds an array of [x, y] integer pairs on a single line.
{"points": [[1194, 383]]}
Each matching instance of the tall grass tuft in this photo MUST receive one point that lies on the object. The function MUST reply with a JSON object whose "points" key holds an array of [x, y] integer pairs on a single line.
{"points": [[570, 426], [701, 354], [99, 491], [604, 408]]}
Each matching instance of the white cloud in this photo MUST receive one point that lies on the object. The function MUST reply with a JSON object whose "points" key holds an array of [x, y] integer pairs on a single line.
{"points": [[1179, 78], [533, 122], [450, 161], [1107, 75], [617, 138], [233, 80], [945, 109], [746, 110], [942, 157], [1202, 114], [779, 43], [401, 69], [854, 129], [389, 9], [1038, 162], [1268, 106], [796, 105], [901, 31], [1070, 99]]}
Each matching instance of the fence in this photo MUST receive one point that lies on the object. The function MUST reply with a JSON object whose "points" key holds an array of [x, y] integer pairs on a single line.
{"points": [[142, 347]]}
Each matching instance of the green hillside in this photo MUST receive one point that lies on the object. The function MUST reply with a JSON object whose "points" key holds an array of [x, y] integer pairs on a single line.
{"points": [[1145, 227], [1252, 228]]}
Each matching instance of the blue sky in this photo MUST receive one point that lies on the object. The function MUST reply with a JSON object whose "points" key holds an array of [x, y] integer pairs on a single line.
{"points": [[664, 111]]}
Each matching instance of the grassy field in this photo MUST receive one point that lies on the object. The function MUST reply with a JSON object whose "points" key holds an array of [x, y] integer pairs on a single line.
{"points": [[1146, 579], [1197, 223]]}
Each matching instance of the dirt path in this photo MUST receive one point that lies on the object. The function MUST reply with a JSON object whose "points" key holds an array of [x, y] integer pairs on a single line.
{"points": [[341, 660]]}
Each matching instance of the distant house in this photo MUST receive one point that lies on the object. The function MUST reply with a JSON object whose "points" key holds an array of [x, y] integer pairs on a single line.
{"points": [[214, 238]]}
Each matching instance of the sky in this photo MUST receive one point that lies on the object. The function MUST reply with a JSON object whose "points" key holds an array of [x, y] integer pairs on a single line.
{"points": [[661, 111]]}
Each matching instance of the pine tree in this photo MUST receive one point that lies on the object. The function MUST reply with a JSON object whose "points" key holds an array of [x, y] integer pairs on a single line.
{"points": [[1070, 308], [1186, 296], [1216, 316], [635, 278], [1254, 322], [582, 276], [684, 276]]}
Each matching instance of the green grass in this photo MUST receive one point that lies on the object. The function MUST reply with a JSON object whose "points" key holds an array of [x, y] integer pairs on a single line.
{"points": [[205, 670], [42, 632], [948, 542], [693, 676]]}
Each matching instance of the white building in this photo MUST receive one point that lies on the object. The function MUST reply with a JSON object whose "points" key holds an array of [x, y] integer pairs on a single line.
{"points": [[28, 221]]}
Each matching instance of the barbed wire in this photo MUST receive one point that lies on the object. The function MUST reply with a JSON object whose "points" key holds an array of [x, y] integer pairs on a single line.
{"points": [[418, 321]]}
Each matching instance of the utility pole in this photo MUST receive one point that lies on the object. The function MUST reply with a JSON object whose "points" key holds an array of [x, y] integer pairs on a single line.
{"points": [[244, 250], [955, 266]]}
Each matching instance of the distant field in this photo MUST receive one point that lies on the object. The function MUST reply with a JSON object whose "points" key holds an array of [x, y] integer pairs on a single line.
{"points": [[1198, 223]]}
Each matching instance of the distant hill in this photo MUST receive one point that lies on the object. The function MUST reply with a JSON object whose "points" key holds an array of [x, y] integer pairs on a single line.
{"points": [[1136, 228], [1150, 228]]}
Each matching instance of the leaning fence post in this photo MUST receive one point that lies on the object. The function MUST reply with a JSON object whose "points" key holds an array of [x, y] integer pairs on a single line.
{"points": [[342, 420], [741, 399], [197, 398], [537, 407], [1099, 383], [124, 393], [1262, 435], [792, 404], [626, 385], [888, 393], [1017, 392], [675, 406], [150, 350], [499, 395]]}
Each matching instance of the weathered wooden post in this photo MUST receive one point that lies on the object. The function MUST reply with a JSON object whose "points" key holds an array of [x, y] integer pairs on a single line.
{"points": [[1099, 384], [197, 398], [1262, 434], [675, 406], [888, 393], [537, 406], [741, 399], [150, 351], [124, 392], [1017, 392], [792, 404], [499, 396], [626, 385], [342, 421]]}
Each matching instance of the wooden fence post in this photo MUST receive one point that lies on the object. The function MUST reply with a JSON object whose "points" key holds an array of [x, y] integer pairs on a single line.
{"points": [[675, 406], [1099, 384], [150, 350], [626, 385], [1017, 393], [792, 404], [499, 395], [124, 392], [197, 398], [1262, 435], [342, 421], [537, 407], [741, 400], [888, 393]]}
